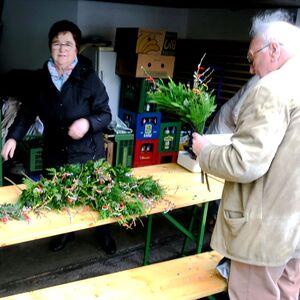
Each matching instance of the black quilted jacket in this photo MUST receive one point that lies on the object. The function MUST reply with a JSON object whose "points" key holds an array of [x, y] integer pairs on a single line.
{"points": [[83, 95]]}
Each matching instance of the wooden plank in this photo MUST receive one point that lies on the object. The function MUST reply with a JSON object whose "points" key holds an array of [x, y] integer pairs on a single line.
{"points": [[190, 277], [183, 189], [10, 193]]}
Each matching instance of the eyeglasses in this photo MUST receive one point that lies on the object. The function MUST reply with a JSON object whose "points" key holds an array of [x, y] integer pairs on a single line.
{"points": [[251, 58], [67, 46]]}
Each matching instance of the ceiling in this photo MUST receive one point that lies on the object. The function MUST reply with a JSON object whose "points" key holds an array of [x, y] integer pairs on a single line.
{"points": [[215, 3]]}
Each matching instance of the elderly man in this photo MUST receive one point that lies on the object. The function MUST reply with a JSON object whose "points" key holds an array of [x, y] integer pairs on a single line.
{"points": [[258, 224]]}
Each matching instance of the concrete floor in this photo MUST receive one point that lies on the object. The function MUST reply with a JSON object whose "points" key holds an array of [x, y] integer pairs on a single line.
{"points": [[31, 265]]}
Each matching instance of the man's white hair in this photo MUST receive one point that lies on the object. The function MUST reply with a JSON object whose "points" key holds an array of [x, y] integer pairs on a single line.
{"points": [[277, 26]]}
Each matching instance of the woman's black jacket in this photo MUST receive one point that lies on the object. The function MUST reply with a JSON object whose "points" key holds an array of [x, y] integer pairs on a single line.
{"points": [[83, 95]]}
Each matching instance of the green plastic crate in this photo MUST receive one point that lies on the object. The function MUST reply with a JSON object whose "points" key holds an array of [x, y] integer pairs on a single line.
{"points": [[134, 94], [35, 159], [32, 147], [124, 144], [169, 137]]}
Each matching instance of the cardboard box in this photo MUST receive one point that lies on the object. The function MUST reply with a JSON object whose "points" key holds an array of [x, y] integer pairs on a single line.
{"points": [[145, 41], [143, 65]]}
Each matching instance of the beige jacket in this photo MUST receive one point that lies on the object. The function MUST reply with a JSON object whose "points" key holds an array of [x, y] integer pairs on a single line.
{"points": [[259, 217], [226, 118]]}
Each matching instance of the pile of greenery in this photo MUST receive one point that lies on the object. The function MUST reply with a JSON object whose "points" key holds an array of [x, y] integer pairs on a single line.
{"points": [[111, 191]]}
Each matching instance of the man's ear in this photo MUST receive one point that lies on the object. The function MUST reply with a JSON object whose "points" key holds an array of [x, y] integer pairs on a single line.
{"points": [[275, 50]]}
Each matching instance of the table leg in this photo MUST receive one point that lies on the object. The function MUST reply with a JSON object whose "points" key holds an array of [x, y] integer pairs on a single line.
{"points": [[179, 226], [148, 240], [188, 232], [200, 242], [200, 239], [193, 218]]}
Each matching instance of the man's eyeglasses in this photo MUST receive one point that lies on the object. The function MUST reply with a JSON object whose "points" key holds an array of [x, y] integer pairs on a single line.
{"points": [[67, 46], [251, 58]]}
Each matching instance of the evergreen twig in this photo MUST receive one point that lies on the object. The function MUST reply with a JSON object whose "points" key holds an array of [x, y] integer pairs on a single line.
{"points": [[112, 191]]}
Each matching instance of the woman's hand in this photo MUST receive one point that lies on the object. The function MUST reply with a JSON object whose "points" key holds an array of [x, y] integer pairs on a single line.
{"points": [[199, 141], [8, 149], [79, 128]]}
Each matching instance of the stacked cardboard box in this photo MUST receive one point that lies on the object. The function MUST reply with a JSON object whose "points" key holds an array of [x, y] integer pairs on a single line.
{"points": [[144, 52]]}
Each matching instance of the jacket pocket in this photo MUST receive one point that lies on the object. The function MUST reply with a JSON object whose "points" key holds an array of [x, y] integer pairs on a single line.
{"points": [[234, 221], [85, 145]]}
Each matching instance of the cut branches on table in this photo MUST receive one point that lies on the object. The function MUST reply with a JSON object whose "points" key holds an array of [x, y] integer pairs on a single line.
{"points": [[111, 191]]}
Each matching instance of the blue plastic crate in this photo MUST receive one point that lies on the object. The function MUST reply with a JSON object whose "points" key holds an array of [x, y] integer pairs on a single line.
{"points": [[144, 125], [148, 125]]}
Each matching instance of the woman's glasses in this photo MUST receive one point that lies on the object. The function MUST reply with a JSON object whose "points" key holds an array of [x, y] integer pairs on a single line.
{"points": [[65, 46]]}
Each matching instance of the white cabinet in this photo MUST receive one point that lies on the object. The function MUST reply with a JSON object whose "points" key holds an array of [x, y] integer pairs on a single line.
{"points": [[104, 61]]}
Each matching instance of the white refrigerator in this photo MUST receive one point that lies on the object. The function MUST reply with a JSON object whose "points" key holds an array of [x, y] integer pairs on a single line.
{"points": [[104, 61]]}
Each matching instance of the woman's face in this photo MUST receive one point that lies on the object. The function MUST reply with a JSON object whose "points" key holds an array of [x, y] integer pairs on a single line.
{"points": [[63, 49]]}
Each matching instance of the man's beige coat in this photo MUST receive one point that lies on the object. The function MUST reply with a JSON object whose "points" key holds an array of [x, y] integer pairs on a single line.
{"points": [[259, 217]]}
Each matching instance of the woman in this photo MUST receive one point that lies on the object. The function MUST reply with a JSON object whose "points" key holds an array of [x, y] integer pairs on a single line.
{"points": [[72, 103]]}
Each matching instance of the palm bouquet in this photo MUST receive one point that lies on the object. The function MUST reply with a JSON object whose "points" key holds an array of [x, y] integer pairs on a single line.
{"points": [[193, 105]]}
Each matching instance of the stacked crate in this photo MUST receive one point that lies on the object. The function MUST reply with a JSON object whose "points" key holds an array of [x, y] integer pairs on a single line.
{"points": [[168, 144], [119, 149], [144, 55], [138, 115], [156, 136]]}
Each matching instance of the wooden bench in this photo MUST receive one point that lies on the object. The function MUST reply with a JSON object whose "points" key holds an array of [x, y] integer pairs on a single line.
{"points": [[189, 277]]}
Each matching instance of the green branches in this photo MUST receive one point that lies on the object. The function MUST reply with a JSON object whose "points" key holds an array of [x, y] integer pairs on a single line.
{"points": [[192, 105], [111, 191]]}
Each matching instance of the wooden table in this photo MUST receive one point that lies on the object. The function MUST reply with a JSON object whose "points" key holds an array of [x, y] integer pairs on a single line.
{"points": [[183, 189]]}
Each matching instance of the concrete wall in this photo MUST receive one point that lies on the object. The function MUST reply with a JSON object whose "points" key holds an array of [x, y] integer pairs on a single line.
{"points": [[101, 18], [24, 43], [26, 25]]}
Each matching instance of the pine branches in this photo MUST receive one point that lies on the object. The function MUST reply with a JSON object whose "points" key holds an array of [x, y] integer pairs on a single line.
{"points": [[111, 191]]}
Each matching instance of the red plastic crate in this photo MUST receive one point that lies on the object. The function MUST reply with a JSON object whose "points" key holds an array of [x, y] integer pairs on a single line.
{"points": [[145, 153], [167, 157]]}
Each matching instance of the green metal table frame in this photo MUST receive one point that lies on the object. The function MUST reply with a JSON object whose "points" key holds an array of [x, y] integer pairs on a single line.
{"points": [[199, 239], [187, 232]]}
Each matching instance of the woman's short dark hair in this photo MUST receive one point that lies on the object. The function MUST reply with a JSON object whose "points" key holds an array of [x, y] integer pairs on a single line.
{"points": [[64, 26]]}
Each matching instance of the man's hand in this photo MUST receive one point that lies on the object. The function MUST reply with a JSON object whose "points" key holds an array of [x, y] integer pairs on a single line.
{"points": [[79, 128], [199, 141]]}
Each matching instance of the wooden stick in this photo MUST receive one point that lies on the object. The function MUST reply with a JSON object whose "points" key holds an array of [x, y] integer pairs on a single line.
{"points": [[207, 183], [13, 183]]}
